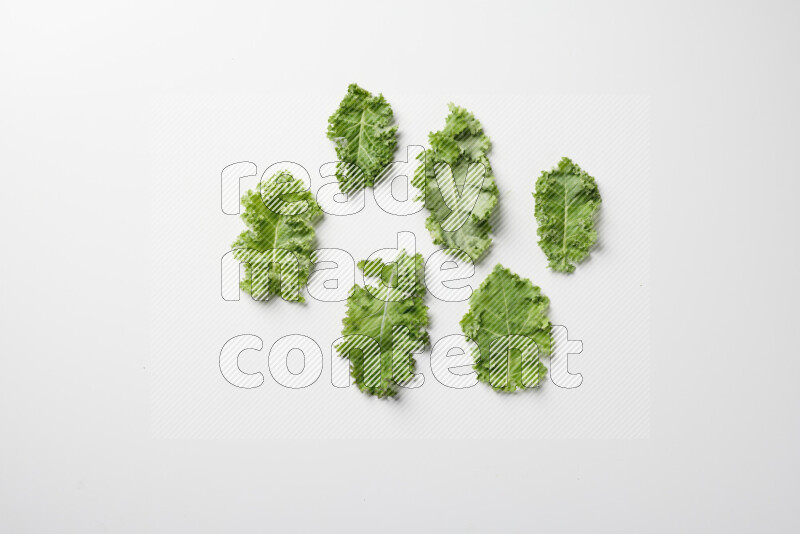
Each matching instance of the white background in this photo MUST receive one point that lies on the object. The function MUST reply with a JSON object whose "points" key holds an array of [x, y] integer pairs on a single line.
{"points": [[605, 303], [76, 453]]}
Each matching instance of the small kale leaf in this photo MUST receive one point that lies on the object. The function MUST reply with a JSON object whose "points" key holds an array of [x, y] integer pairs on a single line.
{"points": [[277, 246], [365, 141], [566, 201]]}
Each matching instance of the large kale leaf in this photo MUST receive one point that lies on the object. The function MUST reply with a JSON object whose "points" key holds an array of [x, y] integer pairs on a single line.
{"points": [[464, 147], [385, 324], [507, 316]]}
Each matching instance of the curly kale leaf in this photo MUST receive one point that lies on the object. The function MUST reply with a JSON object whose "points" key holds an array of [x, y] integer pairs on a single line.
{"points": [[365, 141], [463, 146], [507, 319], [385, 324], [566, 200], [276, 249]]}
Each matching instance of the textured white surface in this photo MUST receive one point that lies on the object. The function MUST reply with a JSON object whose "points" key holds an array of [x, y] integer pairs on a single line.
{"points": [[77, 453]]}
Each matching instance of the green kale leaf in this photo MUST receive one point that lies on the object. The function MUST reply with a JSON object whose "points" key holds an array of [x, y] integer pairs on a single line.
{"points": [[385, 324], [566, 200], [507, 319], [365, 141], [277, 246], [461, 145]]}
